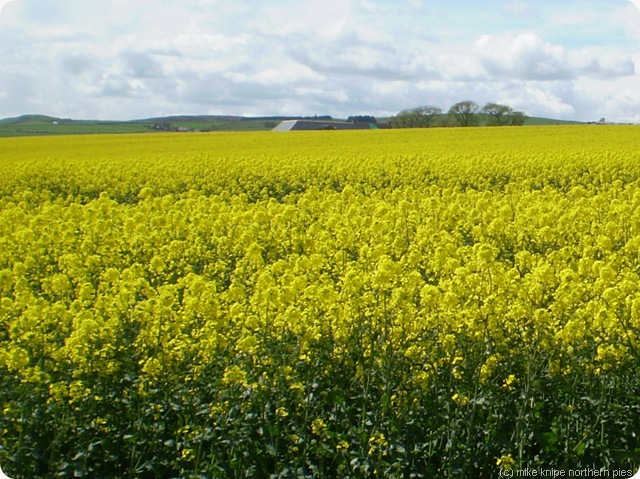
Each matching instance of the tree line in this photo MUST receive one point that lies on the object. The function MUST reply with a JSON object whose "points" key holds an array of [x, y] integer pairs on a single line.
{"points": [[464, 113]]}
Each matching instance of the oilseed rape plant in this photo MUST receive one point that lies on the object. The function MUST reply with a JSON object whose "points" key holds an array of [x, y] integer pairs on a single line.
{"points": [[397, 304]]}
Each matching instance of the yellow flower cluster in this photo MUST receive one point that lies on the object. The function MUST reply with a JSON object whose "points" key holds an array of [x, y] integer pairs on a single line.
{"points": [[224, 258]]}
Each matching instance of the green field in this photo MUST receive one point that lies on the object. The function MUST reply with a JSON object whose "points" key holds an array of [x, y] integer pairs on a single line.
{"points": [[41, 125]]}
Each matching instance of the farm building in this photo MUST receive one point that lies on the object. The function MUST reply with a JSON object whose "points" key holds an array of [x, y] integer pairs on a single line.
{"points": [[296, 125]]}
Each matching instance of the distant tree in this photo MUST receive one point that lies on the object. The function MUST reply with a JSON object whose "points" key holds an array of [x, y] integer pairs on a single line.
{"points": [[465, 113], [446, 121], [404, 119], [499, 115], [362, 119], [427, 114], [419, 117], [517, 118]]}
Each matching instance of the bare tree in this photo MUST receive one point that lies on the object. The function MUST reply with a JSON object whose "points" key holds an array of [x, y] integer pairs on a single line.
{"points": [[427, 114], [499, 115], [517, 118], [419, 117], [465, 113]]}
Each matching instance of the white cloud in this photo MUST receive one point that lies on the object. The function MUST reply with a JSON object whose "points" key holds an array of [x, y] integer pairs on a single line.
{"points": [[522, 56], [122, 59], [601, 63], [3, 3], [628, 19], [526, 56]]}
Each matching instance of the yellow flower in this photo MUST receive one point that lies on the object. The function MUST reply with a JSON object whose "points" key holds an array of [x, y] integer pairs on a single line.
{"points": [[297, 388], [488, 367], [377, 442], [506, 462], [157, 264], [234, 375], [422, 378], [509, 382], [342, 446], [247, 344], [318, 427], [188, 454], [460, 399]]}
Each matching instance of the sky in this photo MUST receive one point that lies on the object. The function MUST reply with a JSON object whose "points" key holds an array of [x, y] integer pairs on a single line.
{"points": [[123, 59]]}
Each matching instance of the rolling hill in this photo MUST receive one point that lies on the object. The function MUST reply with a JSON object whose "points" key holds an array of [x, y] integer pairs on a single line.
{"points": [[37, 125]]}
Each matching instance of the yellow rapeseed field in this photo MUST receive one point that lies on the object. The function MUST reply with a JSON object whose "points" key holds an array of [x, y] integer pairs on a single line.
{"points": [[355, 304]]}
